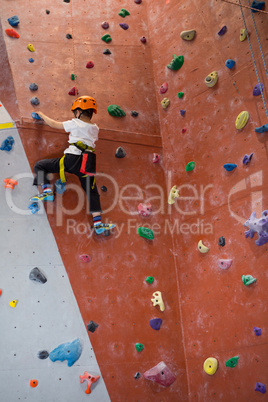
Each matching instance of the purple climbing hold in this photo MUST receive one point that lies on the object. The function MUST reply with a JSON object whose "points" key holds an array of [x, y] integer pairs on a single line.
{"points": [[222, 31], [182, 112], [138, 1], [260, 387], [258, 89], [105, 25], [247, 158], [143, 39], [124, 26], [257, 331], [258, 225], [156, 323]]}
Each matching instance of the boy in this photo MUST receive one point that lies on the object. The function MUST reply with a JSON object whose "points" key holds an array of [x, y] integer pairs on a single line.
{"points": [[82, 137]]}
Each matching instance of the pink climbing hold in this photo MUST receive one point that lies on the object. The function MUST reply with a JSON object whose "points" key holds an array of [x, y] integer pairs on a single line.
{"points": [[145, 209], [85, 257], [225, 264], [156, 158], [73, 91], [160, 374], [183, 130], [90, 64], [164, 88]]}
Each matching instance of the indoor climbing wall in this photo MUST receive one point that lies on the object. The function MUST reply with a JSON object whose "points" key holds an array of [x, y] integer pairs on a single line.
{"points": [[180, 301]]}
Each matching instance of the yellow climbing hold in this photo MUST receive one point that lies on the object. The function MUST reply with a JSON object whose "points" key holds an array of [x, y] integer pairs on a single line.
{"points": [[165, 102], [243, 34], [211, 79], [210, 365], [188, 35], [174, 193], [202, 248], [13, 303], [241, 120], [31, 48]]}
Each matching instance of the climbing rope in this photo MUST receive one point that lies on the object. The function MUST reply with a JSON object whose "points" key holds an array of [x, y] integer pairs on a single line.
{"points": [[72, 30], [252, 55], [240, 5]]}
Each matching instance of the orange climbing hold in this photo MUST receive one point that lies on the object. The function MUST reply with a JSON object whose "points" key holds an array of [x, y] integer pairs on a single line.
{"points": [[12, 33], [33, 383], [10, 183], [89, 379]]}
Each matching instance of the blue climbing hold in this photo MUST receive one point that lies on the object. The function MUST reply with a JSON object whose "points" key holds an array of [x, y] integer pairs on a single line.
{"points": [[31, 60], [222, 31], [7, 144], [35, 101], [35, 116], [230, 63], [124, 26], [59, 186], [182, 112], [257, 331], [70, 351], [247, 158], [258, 5], [258, 89], [33, 207], [262, 129], [229, 166], [14, 21]]}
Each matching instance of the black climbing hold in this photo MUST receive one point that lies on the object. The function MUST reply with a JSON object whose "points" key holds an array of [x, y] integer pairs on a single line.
{"points": [[134, 113], [137, 375], [221, 241], [107, 51], [37, 275], [47, 11], [69, 36], [92, 326], [104, 189], [66, 1], [43, 354], [138, 1], [120, 153], [33, 86], [35, 101]]}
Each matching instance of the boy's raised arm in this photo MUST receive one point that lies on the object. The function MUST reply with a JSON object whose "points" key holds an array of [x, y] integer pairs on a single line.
{"points": [[50, 122]]}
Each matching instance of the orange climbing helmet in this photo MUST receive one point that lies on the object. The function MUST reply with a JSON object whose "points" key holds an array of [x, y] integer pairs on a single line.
{"points": [[84, 103]]}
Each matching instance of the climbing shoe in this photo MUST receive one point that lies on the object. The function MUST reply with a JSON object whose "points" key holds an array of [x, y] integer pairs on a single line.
{"points": [[45, 196], [103, 227]]}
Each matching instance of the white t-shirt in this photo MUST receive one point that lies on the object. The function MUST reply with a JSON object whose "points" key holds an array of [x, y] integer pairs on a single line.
{"points": [[80, 131]]}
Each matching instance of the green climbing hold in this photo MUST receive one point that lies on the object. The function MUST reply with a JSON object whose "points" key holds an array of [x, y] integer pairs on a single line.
{"points": [[72, 77], [115, 110], [190, 166], [139, 347], [232, 362], [106, 38], [149, 279], [180, 94], [248, 279], [145, 232], [123, 13], [176, 62]]}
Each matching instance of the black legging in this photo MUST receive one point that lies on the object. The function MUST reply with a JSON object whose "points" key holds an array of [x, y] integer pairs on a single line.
{"points": [[72, 164]]}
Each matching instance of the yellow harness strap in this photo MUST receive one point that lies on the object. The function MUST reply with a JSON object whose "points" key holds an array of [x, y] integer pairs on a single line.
{"points": [[62, 174], [94, 181]]}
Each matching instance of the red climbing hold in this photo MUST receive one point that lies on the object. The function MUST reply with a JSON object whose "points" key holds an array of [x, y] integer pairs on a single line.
{"points": [[11, 32], [85, 257], [164, 88], [0, 292], [90, 64], [160, 374], [183, 130], [73, 91]]}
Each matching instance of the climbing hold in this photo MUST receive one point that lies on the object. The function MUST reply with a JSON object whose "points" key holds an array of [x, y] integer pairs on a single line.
{"points": [[31, 60], [229, 166], [31, 48], [143, 39], [123, 13], [37, 275], [90, 379], [247, 158], [14, 21], [106, 38], [92, 326], [104, 189], [156, 158], [33, 383], [225, 264], [134, 113], [35, 101], [85, 257], [120, 153], [211, 79], [35, 116], [188, 35], [59, 187], [1, 292], [165, 102], [105, 25], [43, 354], [190, 166], [258, 225], [202, 248], [158, 301], [116, 111], [164, 88], [33, 207], [107, 51], [232, 362], [146, 233], [13, 303], [12, 33], [149, 279], [124, 26], [47, 11], [183, 130], [137, 375], [221, 241], [145, 209], [69, 36], [248, 279], [66, 1], [70, 351], [90, 64], [230, 63], [222, 31], [160, 374], [138, 1], [260, 387], [210, 365], [261, 129], [156, 323], [243, 34], [33, 86], [257, 331], [182, 112], [258, 89], [241, 120], [73, 91], [176, 62], [139, 347], [7, 144], [180, 94], [258, 5], [174, 193], [10, 183]]}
